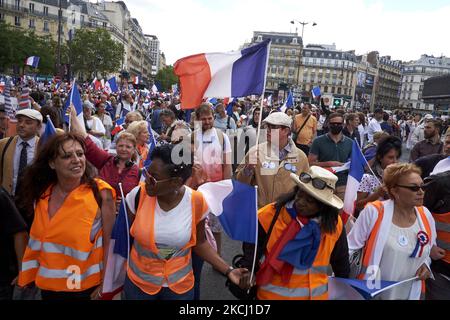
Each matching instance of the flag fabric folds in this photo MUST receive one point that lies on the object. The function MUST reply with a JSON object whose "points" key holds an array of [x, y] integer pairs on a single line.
{"points": [[356, 173], [231, 74], [75, 98], [118, 253], [235, 205], [32, 61], [111, 86], [289, 103], [48, 131], [316, 92], [151, 146]]}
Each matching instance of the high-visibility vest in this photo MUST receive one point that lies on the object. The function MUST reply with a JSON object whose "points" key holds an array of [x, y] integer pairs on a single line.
{"points": [[147, 268], [369, 249], [443, 233], [311, 284], [60, 255]]}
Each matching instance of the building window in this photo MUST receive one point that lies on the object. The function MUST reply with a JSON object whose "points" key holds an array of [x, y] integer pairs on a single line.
{"points": [[31, 25], [45, 11], [294, 41], [31, 6], [46, 26], [82, 19], [259, 39], [17, 21], [1, 3], [105, 24], [2, 16], [17, 4]]}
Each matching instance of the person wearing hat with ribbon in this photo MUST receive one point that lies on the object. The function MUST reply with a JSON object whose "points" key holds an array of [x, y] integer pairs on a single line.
{"points": [[300, 236], [17, 152], [396, 236], [269, 164]]}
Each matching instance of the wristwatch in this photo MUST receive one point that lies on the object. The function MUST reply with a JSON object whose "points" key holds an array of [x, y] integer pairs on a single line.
{"points": [[230, 268]]}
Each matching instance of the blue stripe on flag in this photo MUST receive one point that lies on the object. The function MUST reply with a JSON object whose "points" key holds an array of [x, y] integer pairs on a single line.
{"points": [[357, 163], [249, 71], [239, 213], [121, 233]]}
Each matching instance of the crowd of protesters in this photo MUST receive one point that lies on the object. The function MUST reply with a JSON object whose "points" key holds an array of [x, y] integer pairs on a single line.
{"points": [[60, 197]]}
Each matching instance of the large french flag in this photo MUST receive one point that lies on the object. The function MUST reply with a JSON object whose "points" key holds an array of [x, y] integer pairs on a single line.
{"points": [[119, 248], [356, 173], [231, 74], [32, 61], [235, 204]]}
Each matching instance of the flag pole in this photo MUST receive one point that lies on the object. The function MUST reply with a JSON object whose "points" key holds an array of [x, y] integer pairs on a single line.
{"points": [[256, 239], [122, 202]]}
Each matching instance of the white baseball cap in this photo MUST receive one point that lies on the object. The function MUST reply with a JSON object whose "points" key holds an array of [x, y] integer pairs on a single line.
{"points": [[279, 119], [30, 113]]}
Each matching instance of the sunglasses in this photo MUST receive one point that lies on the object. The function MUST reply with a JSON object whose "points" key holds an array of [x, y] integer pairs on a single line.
{"points": [[413, 188], [316, 182]]}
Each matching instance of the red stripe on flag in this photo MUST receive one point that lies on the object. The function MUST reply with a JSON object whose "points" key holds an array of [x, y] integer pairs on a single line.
{"points": [[195, 76]]}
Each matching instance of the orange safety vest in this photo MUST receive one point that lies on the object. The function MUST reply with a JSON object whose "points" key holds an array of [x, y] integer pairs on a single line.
{"points": [[147, 268], [443, 233], [311, 284], [369, 249], [60, 255]]}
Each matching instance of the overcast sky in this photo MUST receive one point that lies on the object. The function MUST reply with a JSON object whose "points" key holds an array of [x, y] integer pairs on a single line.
{"points": [[403, 29]]}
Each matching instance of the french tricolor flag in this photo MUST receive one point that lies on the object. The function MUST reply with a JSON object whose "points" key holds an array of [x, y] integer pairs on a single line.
{"points": [[32, 61], [356, 173], [231, 74], [235, 204]]}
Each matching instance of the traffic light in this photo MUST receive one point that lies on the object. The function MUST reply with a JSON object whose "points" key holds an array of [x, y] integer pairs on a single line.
{"points": [[337, 102]]}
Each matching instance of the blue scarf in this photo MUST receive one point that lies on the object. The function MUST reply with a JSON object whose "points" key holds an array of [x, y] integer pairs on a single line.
{"points": [[301, 251]]}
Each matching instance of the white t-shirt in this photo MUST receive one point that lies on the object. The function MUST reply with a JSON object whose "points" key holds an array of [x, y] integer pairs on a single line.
{"points": [[209, 153], [173, 228], [96, 125], [399, 246], [374, 126]]}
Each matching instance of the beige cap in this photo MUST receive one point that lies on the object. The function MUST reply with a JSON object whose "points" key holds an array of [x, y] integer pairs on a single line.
{"points": [[30, 113], [279, 119]]}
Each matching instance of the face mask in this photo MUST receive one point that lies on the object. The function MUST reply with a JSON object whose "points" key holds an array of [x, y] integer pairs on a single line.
{"points": [[336, 129]]}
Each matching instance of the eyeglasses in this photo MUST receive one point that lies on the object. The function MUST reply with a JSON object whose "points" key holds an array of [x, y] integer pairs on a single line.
{"points": [[316, 182], [413, 188], [152, 179]]}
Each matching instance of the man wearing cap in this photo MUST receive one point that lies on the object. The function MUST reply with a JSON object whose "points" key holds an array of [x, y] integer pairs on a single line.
{"points": [[17, 152], [375, 124], [269, 164]]}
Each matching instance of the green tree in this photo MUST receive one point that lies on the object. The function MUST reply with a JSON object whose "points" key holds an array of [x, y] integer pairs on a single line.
{"points": [[17, 45], [166, 77], [93, 52]]}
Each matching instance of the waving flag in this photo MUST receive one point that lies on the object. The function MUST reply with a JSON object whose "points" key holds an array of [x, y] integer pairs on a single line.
{"points": [[289, 103], [9, 107], [111, 86], [136, 80], [118, 253], [75, 98], [348, 289], [48, 131], [119, 126], [32, 61], [356, 173], [154, 88], [316, 92], [24, 100], [231, 74], [235, 204]]}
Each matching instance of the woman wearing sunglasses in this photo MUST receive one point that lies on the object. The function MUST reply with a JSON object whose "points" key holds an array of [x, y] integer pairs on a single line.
{"points": [[168, 223], [396, 236], [306, 238]]}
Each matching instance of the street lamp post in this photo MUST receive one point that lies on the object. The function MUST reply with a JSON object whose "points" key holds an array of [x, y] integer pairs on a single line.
{"points": [[301, 47], [58, 58]]}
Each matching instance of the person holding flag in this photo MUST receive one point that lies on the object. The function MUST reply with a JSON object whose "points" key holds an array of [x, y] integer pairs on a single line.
{"points": [[300, 236], [168, 223], [114, 169], [392, 239]]}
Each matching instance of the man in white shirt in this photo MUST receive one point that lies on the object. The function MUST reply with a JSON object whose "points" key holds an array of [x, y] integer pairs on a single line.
{"points": [[374, 124]]}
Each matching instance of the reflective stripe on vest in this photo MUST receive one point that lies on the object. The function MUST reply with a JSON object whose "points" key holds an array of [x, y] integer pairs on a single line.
{"points": [[171, 278], [441, 226], [34, 245], [62, 274], [312, 270], [296, 292], [29, 265]]}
